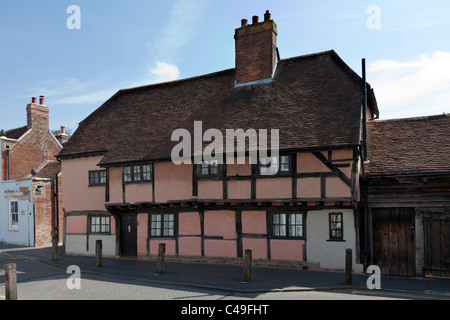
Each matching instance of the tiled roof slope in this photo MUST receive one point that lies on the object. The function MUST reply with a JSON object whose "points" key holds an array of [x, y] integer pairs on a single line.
{"points": [[16, 133], [314, 101], [409, 146]]}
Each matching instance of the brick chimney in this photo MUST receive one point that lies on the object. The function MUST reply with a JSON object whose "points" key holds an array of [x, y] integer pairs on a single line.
{"points": [[256, 50], [62, 137], [37, 114]]}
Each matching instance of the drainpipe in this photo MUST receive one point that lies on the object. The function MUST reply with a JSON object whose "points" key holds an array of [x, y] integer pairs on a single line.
{"points": [[7, 162], [364, 162], [364, 109]]}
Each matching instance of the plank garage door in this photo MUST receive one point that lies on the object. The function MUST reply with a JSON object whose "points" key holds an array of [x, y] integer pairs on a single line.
{"points": [[436, 228], [393, 240]]}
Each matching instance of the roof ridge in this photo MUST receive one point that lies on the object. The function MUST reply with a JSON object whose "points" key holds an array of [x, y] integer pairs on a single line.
{"points": [[434, 116], [176, 81]]}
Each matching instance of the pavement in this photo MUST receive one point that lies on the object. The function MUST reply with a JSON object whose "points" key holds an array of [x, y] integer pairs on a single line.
{"points": [[225, 277]]}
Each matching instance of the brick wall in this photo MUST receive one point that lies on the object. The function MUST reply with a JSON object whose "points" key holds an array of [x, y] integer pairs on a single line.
{"points": [[45, 208], [255, 47]]}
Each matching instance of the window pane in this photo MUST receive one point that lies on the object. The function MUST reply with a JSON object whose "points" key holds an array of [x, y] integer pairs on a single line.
{"points": [[146, 172], [284, 163], [102, 177], [127, 174], [137, 173]]}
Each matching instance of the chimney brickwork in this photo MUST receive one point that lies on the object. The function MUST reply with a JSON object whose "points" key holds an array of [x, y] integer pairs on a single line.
{"points": [[256, 46], [37, 115]]}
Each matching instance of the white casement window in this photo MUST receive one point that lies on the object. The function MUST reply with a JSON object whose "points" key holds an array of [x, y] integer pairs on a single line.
{"points": [[162, 225], [100, 224], [13, 209]]}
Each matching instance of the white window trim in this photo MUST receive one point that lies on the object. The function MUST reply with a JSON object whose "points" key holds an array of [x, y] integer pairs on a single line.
{"points": [[10, 226]]}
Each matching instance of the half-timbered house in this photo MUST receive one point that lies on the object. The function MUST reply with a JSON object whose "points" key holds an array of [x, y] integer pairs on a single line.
{"points": [[122, 187]]}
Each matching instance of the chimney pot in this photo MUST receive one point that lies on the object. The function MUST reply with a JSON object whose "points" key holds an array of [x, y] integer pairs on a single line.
{"points": [[267, 16], [41, 99], [63, 129], [255, 19], [33, 100], [244, 22]]}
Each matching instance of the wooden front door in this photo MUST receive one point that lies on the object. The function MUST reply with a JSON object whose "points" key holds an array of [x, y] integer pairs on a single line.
{"points": [[436, 229], [128, 235], [393, 240]]}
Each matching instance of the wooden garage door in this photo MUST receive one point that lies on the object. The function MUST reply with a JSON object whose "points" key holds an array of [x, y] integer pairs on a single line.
{"points": [[436, 228], [393, 240]]}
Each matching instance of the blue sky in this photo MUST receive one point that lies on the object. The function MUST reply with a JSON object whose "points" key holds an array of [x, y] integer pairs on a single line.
{"points": [[122, 44]]}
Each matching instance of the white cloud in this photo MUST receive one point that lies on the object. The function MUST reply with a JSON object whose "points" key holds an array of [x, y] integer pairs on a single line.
{"points": [[165, 72], [411, 87]]}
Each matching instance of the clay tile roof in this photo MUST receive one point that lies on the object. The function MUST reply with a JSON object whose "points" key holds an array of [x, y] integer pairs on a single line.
{"points": [[314, 101], [409, 146], [16, 133], [50, 170]]}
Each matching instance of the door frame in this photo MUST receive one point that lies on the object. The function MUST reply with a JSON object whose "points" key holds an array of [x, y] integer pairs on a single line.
{"points": [[121, 235]]}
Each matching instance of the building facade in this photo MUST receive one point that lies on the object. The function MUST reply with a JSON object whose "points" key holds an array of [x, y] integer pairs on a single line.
{"points": [[296, 207], [29, 189]]}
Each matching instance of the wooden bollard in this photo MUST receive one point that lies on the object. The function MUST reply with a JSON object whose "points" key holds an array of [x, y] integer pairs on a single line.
{"points": [[10, 281], [98, 253], [348, 267], [247, 265], [161, 254]]}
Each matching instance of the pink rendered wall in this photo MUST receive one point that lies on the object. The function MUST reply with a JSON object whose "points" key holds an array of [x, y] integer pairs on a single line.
{"points": [[142, 233], [76, 224], [220, 223], [254, 222], [170, 246], [258, 247], [307, 162], [220, 248], [286, 249], [274, 188], [189, 246], [77, 195], [210, 189], [172, 182], [189, 223], [239, 189], [138, 192], [308, 188], [115, 185], [337, 188]]}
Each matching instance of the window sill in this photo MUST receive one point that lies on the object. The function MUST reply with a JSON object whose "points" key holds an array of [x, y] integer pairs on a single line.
{"points": [[336, 240], [13, 229]]}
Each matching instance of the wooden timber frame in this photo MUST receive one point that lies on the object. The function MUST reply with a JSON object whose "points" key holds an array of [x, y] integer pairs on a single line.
{"points": [[200, 206], [427, 197]]}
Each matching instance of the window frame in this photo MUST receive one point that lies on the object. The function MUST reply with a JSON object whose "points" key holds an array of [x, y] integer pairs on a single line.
{"points": [[279, 173], [162, 225], [330, 227], [209, 175], [97, 174], [100, 217], [10, 213], [137, 170], [288, 225]]}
